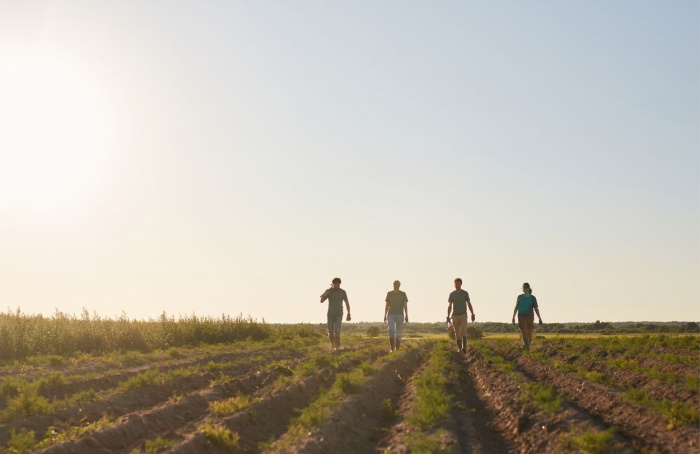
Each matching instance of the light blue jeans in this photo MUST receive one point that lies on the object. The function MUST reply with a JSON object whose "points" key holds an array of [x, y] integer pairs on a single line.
{"points": [[395, 325], [334, 322]]}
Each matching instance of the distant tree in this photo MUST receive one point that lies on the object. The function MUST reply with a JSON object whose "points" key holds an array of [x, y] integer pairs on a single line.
{"points": [[691, 327]]}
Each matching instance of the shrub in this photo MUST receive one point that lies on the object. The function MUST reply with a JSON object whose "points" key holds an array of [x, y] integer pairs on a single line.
{"points": [[592, 441], [474, 333], [219, 436], [154, 446], [22, 442]]}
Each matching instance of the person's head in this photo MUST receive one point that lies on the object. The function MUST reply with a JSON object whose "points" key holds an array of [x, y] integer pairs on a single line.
{"points": [[397, 284], [458, 283], [526, 289], [336, 282]]}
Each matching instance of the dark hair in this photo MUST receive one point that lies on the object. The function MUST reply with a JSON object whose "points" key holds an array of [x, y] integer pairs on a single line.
{"points": [[527, 286], [336, 279], [458, 279]]}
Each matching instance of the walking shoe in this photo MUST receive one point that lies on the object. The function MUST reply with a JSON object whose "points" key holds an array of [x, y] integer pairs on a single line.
{"points": [[464, 350]]}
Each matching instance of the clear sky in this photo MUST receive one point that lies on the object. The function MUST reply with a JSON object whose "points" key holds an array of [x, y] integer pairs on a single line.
{"points": [[214, 157]]}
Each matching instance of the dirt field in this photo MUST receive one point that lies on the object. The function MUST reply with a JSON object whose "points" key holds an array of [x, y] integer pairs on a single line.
{"points": [[585, 395]]}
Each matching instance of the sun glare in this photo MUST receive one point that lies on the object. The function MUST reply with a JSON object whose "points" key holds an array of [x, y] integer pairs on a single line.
{"points": [[56, 135]]}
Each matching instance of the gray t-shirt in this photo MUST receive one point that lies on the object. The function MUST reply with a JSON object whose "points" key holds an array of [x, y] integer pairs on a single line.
{"points": [[459, 298], [335, 301], [397, 301]]}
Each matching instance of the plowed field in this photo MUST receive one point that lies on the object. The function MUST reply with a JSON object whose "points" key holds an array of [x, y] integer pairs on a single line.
{"points": [[621, 395]]}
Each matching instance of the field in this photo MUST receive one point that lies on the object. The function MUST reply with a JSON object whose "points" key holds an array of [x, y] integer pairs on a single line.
{"points": [[288, 392]]}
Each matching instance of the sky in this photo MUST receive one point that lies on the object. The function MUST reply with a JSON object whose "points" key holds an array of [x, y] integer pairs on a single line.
{"points": [[215, 158]]}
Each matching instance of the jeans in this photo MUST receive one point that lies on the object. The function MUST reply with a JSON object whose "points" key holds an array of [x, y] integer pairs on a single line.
{"points": [[395, 325], [334, 322]]}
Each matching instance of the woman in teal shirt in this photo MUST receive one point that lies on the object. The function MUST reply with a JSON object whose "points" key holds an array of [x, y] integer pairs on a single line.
{"points": [[524, 307]]}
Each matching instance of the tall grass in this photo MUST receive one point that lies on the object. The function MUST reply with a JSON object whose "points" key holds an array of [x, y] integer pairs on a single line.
{"points": [[23, 335]]}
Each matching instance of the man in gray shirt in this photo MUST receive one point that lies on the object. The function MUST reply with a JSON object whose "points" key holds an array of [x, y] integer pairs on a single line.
{"points": [[335, 296], [458, 303]]}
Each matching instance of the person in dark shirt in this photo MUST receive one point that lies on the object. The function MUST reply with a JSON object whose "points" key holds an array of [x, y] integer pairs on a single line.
{"points": [[396, 305], [335, 296], [458, 303], [524, 307]]}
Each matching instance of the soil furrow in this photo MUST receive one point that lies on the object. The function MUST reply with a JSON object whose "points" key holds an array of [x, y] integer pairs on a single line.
{"points": [[359, 422], [166, 418], [625, 379], [633, 421], [123, 403], [268, 418], [531, 431], [477, 430]]}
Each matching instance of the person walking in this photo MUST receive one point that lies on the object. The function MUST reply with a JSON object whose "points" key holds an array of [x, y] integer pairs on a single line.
{"points": [[458, 303], [524, 307], [335, 296], [396, 306]]}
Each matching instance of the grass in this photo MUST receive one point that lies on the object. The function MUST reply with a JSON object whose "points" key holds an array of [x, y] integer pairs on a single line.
{"points": [[56, 434], [155, 377], [219, 435], [543, 397], [231, 405], [590, 442], [26, 404], [314, 414], [22, 442], [675, 413], [154, 446], [62, 335], [432, 402], [389, 411]]}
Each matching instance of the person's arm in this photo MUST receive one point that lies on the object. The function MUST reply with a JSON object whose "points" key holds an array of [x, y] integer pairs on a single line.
{"points": [[449, 309], [386, 308], [347, 306], [405, 308], [324, 295], [537, 311], [514, 312], [469, 305]]}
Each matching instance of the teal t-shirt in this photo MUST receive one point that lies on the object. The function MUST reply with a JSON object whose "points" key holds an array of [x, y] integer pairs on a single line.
{"points": [[526, 304], [396, 301], [459, 298], [335, 301]]}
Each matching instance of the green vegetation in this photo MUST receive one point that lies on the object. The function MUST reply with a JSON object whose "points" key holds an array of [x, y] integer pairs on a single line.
{"points": [[54, 338], [21, 442], [351, 382], [416, 329], [674, 412], [231, 405], [155, 377], [313, 415], [56, 435], [590, 442], [543, 397], [154, 446], [432, 402], [219, 435], [389, 410]]}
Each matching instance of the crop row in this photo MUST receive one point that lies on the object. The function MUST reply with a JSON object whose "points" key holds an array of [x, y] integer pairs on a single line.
{"points": [[647, 422]]}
